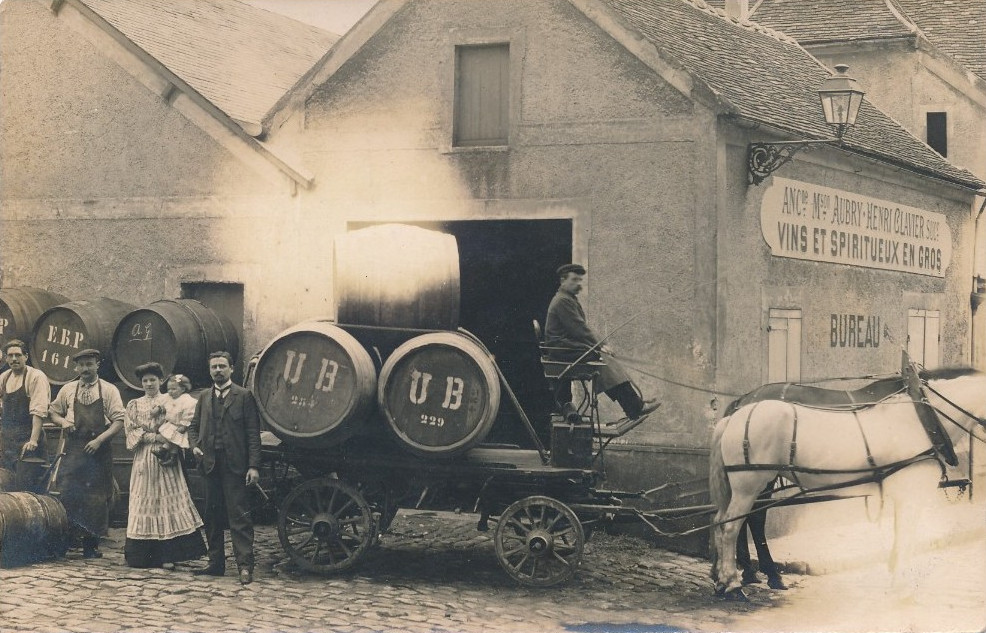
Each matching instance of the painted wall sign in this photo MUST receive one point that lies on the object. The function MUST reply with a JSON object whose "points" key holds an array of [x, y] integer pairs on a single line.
{"points": [[855, 330], [805, 221]]}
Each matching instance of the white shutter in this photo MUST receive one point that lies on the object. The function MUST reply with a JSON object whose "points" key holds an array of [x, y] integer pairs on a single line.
{"points": [[783, 345], [932, 333], [915, 335]]}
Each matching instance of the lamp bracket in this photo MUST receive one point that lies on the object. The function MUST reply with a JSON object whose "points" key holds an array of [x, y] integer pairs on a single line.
{"points": [[763, 159]]}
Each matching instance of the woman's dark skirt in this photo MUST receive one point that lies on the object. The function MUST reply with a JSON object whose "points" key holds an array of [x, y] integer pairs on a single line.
{"points": [[143, 553]]}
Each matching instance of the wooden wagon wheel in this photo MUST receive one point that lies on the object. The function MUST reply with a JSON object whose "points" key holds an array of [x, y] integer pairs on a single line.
{"points": [[325, 525], [539, 541]]}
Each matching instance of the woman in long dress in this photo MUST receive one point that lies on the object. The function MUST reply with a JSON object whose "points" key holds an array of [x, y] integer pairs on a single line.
{"points": [[163, 524]]}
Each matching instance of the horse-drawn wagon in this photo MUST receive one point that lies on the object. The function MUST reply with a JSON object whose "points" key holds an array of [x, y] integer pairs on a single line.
{"points": [[360, 449]]}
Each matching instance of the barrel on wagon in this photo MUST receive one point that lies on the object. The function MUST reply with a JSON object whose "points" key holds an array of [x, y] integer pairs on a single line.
{"points": [[177, 333], [33, 528], [20, 308], [396, 275], [68, 328], [440, 394], [315, 384]]}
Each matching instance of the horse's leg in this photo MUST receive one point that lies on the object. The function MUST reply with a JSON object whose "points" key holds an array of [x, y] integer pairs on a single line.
{"points": [[745, 488], [743, 560], [758, 530], [914, 492]]}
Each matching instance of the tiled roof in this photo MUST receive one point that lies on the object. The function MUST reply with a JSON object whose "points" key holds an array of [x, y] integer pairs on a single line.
{"points": [[241, 58], [765, 76], [956, 27], [814, 21]]}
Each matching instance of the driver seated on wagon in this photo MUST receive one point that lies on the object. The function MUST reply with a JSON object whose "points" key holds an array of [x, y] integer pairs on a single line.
{"points": [[565, 328]]}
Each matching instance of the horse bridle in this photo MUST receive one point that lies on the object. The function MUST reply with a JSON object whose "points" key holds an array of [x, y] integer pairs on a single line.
{"points": [[975, 418]]}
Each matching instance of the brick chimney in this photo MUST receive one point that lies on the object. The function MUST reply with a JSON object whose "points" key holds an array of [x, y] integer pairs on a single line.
{"points": [[738, 9]]}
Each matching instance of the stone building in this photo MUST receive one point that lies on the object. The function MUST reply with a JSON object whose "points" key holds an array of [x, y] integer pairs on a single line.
{"points": [[923, 62], [141, 165]]}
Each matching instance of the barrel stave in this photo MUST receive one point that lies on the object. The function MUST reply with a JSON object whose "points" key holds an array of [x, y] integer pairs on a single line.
{"points": [[440, 394], [314, 384]]}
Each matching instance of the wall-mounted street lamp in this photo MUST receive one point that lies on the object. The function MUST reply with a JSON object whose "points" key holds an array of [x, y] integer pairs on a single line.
{"points": [[841, 96]]}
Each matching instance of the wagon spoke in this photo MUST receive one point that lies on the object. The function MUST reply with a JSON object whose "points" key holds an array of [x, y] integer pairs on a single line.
{"points": [[517, 524], [560, 558], [343, 508], [521, 563], [519, 548], [534, 568], [306, 541], [297, 527], [553, 521], [342, 544], [332, 499]]}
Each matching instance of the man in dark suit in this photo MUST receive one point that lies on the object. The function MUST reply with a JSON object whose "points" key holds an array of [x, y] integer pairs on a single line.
{"points": [[566, 327], [225, 437]]}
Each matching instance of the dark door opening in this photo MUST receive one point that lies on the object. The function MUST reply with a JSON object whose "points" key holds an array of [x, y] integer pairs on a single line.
{"points": [[507, 278]]}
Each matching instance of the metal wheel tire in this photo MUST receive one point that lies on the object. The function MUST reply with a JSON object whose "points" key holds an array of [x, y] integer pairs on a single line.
{"points": [[539, 541], [325, 525]]}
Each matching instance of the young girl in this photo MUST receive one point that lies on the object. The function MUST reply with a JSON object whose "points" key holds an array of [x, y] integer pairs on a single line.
{"points": [[178, 411]]}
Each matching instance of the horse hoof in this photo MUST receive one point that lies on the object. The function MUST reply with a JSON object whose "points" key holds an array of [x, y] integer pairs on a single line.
{"points": [[751, 579], [736, 595], [720, 590], [776, 583]]}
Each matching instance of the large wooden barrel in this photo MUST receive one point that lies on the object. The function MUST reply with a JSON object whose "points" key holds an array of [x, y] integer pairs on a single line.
{"points": [[33, 528], [314, 384], [396, 275], [65, 329], [440, 394], [21, 307], [178, 333]]}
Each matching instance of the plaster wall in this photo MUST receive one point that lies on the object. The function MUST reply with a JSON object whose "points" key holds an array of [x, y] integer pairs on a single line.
{"points": [[907, 83], [595, 136], [752, 280], [110, 191]]}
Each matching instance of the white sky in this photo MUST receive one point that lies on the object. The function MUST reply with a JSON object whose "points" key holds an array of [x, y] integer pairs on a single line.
{"points": [[332, 15]]}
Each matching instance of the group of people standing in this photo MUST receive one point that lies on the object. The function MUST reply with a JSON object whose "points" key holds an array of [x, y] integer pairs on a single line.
{"points": [[220, 429]]}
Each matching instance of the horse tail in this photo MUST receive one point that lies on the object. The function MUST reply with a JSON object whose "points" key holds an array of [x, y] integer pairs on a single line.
{"points": [[719, 488]]}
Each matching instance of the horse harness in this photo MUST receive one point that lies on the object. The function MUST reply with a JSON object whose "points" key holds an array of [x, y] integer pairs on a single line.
{"points": [[872, 474]]}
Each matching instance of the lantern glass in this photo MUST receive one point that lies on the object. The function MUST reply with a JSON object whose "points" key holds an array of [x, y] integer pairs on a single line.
{"points": [[841, 96]]}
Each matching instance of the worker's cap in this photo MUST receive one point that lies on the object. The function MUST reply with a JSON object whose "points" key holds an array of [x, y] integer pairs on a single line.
{"points": [[86, 353], [578, 269]]}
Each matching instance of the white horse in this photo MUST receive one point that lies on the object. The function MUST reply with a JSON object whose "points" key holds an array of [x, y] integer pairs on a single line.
{"points": [[885, 443]]}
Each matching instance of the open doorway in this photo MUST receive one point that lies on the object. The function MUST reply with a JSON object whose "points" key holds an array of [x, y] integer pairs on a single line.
{"points": [[507, 278]]}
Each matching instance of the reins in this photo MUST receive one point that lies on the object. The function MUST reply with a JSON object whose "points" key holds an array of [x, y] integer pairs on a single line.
{"points": [[875, 475]]}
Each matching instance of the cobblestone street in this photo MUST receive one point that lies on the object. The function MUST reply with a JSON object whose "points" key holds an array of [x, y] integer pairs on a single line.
{"points": [[435, 572], [432, 572]]}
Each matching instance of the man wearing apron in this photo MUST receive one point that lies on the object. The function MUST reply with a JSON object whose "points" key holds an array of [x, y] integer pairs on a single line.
{"points": [[90, 411], [25, 395]]}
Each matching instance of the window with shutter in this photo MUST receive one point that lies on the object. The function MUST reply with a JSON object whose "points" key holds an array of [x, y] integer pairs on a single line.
{"points": [[482, 95], [784, 345], [923, 337]]}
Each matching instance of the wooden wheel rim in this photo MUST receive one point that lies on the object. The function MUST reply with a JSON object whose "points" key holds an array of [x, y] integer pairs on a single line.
{"points": [[539, 541], [325, 525]]}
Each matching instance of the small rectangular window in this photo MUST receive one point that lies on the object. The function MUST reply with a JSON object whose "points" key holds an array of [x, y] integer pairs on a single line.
{"points": [[482, 95], [938, 132]]}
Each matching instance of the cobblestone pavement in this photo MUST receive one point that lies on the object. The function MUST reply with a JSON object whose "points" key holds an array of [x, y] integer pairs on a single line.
{"points": [[432, 572]]}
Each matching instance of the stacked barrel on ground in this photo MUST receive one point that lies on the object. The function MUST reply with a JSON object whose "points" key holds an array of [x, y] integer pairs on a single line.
{"points": [[394, 360]]}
